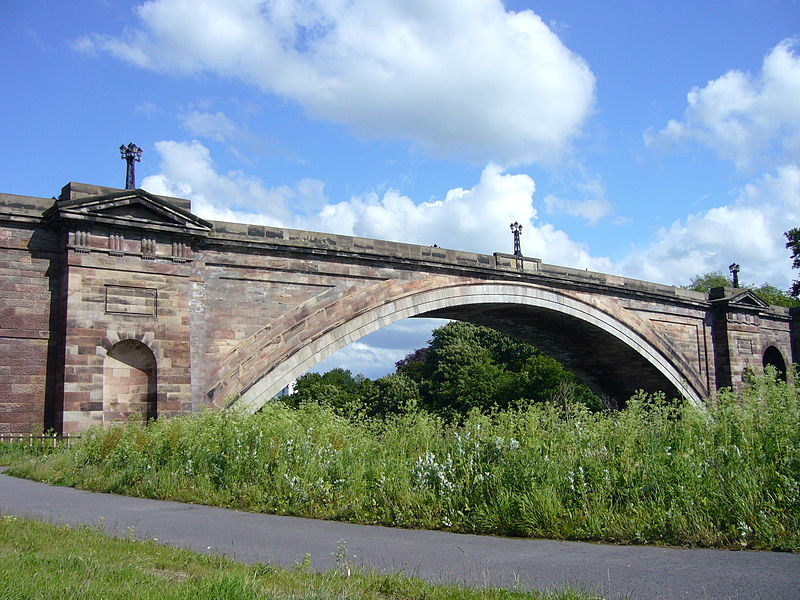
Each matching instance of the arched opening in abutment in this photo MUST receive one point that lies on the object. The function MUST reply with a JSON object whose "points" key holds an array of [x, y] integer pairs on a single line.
{"points": [[774, 358], [614, 356], [129, 383]]}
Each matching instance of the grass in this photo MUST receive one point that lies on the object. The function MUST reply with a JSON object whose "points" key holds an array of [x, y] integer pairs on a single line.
{"points": [[17, 449], [40, 560], [655, 472], [12, 453]]}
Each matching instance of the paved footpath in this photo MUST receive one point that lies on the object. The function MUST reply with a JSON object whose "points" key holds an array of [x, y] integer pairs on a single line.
{"points": [[640, 572]]}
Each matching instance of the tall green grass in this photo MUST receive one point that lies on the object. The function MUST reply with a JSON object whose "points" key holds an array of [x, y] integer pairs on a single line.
{"points": [[655, 472]]}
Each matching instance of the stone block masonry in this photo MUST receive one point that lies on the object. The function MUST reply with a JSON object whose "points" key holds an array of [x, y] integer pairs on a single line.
{"points": [[118, 304]]}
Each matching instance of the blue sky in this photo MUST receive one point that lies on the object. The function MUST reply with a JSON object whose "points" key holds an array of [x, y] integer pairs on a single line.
{"points": [[653, 140]]}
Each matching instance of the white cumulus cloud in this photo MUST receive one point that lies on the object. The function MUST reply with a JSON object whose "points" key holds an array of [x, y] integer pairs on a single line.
{"points": [[188, 171], [748, 231], [751, 120], [591, 207], [474, 219], [459, 77], [361, 358], [217, 126]]}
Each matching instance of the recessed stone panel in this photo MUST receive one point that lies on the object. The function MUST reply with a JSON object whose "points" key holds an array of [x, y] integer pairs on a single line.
{"points": [[129, 300], [744, 345]]}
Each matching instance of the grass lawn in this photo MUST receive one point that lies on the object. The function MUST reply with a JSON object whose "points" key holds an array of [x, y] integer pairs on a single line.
{"points": [[40, 560]]}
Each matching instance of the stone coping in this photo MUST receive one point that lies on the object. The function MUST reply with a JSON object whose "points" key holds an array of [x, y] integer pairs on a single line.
{"points": [[74, 190], [348, 245], [25, 205]]}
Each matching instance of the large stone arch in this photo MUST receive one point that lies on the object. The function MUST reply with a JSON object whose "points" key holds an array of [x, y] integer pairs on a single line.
{"points": [[282, 351]]}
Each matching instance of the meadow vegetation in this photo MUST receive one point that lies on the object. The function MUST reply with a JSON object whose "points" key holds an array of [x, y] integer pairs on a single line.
{"points": [[654, 472]]}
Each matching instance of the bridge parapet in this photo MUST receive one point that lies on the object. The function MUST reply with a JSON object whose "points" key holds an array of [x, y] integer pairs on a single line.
{"points": [[346, 246], [506, 265]]}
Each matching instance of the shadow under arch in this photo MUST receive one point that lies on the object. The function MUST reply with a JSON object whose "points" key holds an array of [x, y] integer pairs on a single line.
{"points": [[773, 356], [129, 382], [620, 353]]}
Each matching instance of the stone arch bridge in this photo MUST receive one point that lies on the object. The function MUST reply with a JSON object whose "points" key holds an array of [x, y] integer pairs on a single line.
{"points": [[117, 303]]}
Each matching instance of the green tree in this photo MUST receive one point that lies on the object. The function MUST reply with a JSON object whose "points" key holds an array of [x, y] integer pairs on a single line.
{"points": [[503, 349], [706, 281], [546, 380], [793, 244], [463, 376], [337, 388], [468, 366], [465, 367], [772, 295], [395, 393], [413, 364]]}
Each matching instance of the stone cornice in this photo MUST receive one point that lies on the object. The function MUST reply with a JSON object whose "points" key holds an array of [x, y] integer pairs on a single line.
{"points": [[135, 209]]}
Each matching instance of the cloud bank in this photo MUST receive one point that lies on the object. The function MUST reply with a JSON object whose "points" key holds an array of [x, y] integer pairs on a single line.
{"points": [[462, 78], [475, 219], [748, 231]]}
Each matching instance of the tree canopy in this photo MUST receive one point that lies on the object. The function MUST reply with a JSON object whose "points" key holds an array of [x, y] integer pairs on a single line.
{"points": [[465, 367]]}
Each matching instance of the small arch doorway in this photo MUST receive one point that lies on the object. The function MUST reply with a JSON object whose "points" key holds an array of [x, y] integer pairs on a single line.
{"points": [[129, 383], [773, 356]]}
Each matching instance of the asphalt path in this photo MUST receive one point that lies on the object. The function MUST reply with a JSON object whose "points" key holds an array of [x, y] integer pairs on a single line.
{"points": [[637, 572]]}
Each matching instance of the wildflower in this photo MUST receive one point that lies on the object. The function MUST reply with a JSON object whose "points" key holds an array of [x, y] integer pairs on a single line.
{"points": [[427, 472]]}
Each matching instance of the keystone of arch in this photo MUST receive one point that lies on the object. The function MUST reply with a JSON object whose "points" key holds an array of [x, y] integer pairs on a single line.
{"points": [[281, 352]]}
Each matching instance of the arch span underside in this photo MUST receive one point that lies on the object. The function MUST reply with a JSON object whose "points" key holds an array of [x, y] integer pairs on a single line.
{"points": [[615, 355], [607, 364]]}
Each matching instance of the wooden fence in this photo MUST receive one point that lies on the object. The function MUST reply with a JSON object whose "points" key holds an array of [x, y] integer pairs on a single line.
{"points": [[38, 441]]}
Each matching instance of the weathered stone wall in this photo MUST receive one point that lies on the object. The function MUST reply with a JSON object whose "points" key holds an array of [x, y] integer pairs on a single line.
{"points": [[229, 309], [750, 335], [29, 288], [114, 298], [684, 323], [130, 383]]}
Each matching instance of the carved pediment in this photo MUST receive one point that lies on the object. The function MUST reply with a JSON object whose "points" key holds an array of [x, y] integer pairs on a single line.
{"points": [[737, 298], [748, 300], [131, 209]]}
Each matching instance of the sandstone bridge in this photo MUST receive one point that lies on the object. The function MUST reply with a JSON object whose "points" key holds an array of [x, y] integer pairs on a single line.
{"points": [[119, 302]]}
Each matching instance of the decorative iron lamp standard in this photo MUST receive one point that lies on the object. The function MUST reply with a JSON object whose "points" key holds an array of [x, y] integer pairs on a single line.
{"points": [[131, 154], [516, 229], [734, 269]]}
